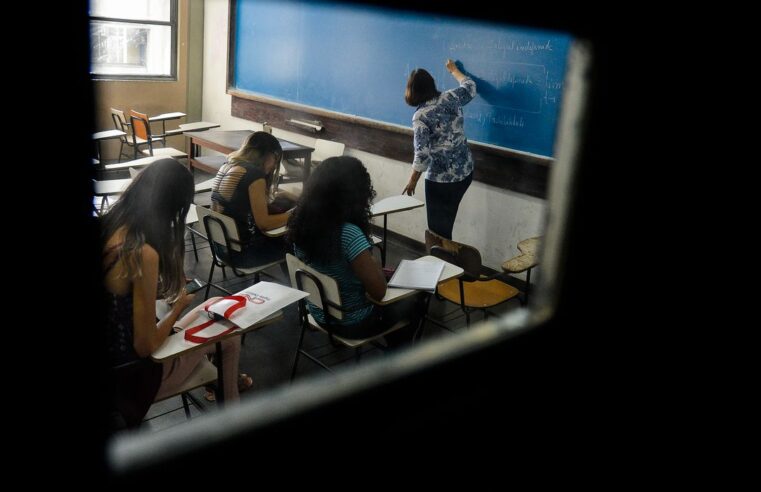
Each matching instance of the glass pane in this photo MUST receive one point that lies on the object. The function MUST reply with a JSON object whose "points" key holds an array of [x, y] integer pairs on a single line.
{"points": [[157, 10], [130, 49]]}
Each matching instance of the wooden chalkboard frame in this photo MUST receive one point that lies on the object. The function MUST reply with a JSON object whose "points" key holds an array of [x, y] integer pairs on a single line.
{"points": [[497, 166]]}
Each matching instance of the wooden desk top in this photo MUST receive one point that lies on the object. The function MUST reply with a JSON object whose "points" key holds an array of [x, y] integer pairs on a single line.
{"points": [[232, 140], [395, 203], [197, 126]]}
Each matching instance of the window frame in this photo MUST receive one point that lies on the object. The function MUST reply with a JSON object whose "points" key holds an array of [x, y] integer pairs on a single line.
{"points": [[172, 23]]}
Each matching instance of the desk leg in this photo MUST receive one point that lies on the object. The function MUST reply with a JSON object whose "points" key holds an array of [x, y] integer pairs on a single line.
{"points": [[193, 240], [419, 331], [385, 229], [307, 167], [220, 377], [190, 149]]}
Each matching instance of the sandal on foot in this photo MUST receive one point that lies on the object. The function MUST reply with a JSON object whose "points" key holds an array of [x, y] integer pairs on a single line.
{"points": [[209, 394], [244, 382]]}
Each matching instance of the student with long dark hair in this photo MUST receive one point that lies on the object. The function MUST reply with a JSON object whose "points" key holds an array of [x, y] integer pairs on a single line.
{"points": [[143, 255], [243, 190], [441, 148], [330, 230]]}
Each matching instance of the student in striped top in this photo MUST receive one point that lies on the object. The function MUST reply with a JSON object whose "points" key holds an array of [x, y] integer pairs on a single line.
{"points": [[243, 190], [329, 230]]}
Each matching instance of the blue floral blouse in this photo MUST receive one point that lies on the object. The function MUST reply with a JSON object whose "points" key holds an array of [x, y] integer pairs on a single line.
{"points": [[440, 144]]}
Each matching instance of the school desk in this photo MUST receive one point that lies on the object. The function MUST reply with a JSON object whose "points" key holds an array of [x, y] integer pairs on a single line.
{"points": [[98, 137], [226, 141], [163, 118], [176, 346], [391, 205]]}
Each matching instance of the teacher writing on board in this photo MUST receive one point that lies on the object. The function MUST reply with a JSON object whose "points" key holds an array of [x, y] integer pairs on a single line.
{"points": [[441, 148]]}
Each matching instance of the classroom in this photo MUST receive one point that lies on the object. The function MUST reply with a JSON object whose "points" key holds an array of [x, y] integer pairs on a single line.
{"points": [[328, 79]]}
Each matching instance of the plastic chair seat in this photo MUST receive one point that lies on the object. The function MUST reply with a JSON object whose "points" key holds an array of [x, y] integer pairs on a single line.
{"points": [[356, 342], [478, 295]]}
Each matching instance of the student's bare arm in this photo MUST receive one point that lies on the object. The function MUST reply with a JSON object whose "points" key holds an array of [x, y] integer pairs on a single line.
{"points": [[257, 195], [369, 272]]}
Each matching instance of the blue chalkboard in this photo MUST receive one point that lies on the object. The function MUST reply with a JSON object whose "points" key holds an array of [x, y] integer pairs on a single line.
{"points": [[356, 59]]}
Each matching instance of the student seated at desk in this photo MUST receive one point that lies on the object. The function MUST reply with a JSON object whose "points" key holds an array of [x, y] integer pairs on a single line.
{"points": [[143, 254], [329, 230], [243, 190]]}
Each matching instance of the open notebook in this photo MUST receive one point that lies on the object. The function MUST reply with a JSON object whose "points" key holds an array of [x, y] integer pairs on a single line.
{"points": [[421, 275]]}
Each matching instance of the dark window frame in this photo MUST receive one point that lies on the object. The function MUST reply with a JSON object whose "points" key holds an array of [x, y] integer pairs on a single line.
{"points": [[172, 24]]}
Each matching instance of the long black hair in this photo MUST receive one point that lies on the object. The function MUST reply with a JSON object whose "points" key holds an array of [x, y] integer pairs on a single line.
{"points": [[338, 191], [152, 210]]}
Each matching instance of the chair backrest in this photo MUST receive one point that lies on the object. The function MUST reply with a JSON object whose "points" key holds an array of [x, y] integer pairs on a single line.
{"points": [[120, 123], [322, 288], [466, 257], [327, 148], [141, 128], [219, 228]]}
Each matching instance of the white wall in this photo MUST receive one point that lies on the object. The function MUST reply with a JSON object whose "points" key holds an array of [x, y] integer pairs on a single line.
{"points": [[492, 219]]}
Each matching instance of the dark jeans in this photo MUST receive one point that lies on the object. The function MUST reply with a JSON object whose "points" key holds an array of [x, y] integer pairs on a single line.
{"points": [[383, 318], [442, 202], [263, 251]]}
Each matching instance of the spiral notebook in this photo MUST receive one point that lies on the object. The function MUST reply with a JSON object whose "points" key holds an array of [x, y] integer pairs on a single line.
{"points": [[420, 275]]}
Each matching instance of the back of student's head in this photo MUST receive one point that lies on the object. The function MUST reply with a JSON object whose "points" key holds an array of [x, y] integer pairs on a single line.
{"points": [[152, 210], [420, 87], [255, 149], [338, 191]]}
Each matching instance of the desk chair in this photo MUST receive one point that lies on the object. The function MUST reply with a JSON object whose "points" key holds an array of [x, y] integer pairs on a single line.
{"points": [[141, 135], [293, 171], [524, 262], [130, 374], [121, 123], [222, 232], [324, 293], [472, 291], [107, 192]]}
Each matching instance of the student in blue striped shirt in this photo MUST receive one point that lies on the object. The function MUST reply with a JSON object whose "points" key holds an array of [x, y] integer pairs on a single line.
{"points": [[329, 230]]}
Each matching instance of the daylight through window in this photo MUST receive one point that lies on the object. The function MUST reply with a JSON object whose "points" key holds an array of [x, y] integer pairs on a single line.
{"points": [[133, 39]]}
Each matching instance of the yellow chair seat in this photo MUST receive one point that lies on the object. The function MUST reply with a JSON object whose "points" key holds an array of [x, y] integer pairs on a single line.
{"points": [[478, 295]]}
